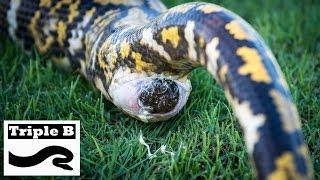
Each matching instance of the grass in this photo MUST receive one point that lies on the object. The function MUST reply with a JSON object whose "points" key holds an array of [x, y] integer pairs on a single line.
{"points": [[205, 137]]}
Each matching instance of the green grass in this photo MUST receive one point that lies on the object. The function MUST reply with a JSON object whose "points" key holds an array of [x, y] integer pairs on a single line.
{"points": [[205, 136]]}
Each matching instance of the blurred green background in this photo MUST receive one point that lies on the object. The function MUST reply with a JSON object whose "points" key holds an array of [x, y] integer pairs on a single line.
{"points": [[205, 137]]}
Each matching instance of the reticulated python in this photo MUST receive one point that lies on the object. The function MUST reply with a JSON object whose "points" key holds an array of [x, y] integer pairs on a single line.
{"points": [[138, 54]]}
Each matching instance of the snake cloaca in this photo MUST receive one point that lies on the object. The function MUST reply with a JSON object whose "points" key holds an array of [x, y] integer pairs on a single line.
{"points": [[138, 54]]}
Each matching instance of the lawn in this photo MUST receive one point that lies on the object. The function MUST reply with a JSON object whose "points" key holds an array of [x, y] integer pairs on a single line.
{"points": [[204, 140]]}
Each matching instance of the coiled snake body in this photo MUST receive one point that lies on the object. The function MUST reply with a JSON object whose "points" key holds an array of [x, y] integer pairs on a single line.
{"points": [[138, 54]]}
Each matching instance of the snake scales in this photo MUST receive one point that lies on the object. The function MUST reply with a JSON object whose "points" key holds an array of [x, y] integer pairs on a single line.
{"points": [[138, 54]]}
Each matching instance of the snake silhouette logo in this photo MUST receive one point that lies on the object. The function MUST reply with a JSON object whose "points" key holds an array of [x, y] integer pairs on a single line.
{"points": [[41, 148], [42, 155]]}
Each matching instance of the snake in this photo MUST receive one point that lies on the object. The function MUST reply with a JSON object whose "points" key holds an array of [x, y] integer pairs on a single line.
{"points": [[138, 54], [42, 155]]}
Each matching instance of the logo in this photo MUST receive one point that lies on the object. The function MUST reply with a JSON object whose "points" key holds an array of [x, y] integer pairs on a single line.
{"points": [[41, 148]]}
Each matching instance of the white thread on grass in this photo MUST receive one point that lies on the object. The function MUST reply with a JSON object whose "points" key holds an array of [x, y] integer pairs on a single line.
{"points": [[162, 149], [141, 140]]}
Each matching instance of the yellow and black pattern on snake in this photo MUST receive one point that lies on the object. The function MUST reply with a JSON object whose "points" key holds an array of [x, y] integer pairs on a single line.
{"points": [[138, 54]]}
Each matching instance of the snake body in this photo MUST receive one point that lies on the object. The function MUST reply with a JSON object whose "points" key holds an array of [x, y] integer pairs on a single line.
{"points": [[140, 44]]}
